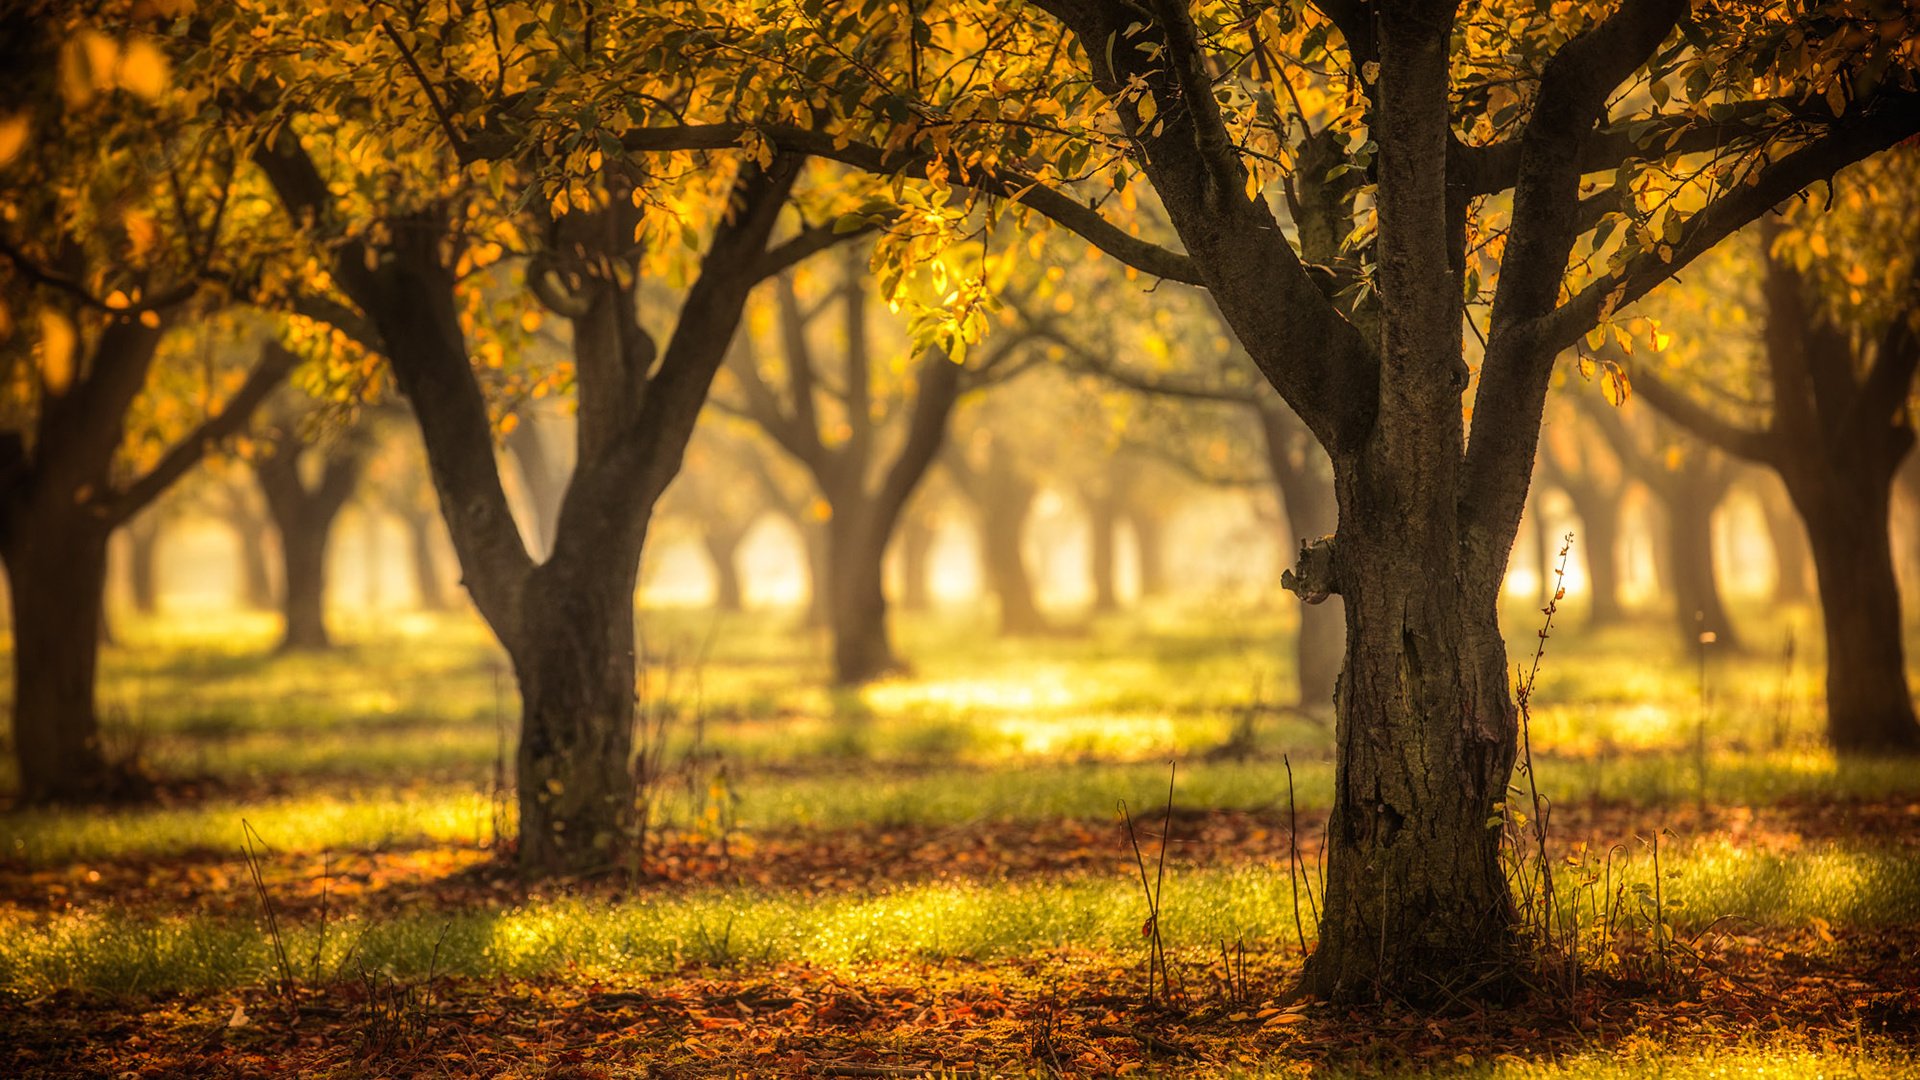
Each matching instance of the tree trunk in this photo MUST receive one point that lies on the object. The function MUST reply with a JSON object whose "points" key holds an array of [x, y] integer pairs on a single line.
{"points": [[1598, 541], [857, 600], [574, 657], [1698, 608], [1103, 517], [815, 545], [1148, 536], [429, 587], [303, 549], [143, 549], [1869, 703], [916, 549], [1004, 510], [1414, 888], [304, 517], [1788, 539], [723, 549], [58, 576], [256, 571]]}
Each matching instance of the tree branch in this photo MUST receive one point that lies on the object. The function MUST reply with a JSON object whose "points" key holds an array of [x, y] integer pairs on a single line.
{"points": [[1056, 206], [1852, 138], [275, 362], [1757, 446]]}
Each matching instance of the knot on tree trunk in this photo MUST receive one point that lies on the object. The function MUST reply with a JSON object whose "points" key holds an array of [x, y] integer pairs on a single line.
{"points": [[1312, 578]]}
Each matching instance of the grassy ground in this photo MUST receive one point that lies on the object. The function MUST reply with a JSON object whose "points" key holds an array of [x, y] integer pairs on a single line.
{"points": [[927, 872]]}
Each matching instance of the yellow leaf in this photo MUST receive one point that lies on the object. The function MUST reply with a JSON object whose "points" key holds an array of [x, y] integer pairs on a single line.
{"points": [[57, 341], [530, 320], [143, 70], [13, 136]]}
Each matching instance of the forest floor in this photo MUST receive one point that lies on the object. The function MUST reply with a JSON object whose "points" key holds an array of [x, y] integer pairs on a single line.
{"points": [[929, 877]]}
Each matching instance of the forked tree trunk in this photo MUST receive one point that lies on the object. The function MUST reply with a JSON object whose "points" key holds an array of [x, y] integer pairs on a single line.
{"points": [[1004, 511], [304, 517], [857, 600], [57, 571], [574, 657], [722, 545], [1869, 702]]}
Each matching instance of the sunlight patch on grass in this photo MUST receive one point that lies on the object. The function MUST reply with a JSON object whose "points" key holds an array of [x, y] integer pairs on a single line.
{"points": [[319, 822], [114, 950], [120, 952]]}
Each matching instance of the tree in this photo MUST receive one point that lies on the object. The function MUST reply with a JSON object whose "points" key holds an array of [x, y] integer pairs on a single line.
{"points": [[397, 477], [1689, 480], [113, 232], [1839, 425], [143, 557], [235, 502], [719, 509], [303, 513], [1296, 468], [567, 622], [832, 421], [988, 473], [1438, 109], [1595, 483]]}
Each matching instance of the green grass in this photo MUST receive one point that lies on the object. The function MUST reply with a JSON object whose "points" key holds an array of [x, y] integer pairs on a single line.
{"points": [[355, 817], [129, 952]]}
